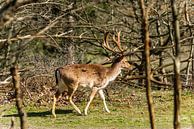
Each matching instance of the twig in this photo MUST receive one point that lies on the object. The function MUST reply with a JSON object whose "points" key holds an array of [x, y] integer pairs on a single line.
{"points": [[6, 81]]}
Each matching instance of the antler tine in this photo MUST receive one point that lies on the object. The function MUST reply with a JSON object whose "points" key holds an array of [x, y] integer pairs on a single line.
{"points": [[106, 44], [118, 42]]}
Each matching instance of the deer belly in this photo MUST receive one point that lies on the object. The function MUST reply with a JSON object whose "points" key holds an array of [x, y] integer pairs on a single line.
{"points": [[86, 84]]}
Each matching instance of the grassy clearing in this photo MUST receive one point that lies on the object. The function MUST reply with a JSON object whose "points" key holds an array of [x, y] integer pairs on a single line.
{"points": [[128, 110]]}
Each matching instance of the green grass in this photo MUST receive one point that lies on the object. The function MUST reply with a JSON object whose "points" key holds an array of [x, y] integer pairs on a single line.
{"points": [[127, 111]]}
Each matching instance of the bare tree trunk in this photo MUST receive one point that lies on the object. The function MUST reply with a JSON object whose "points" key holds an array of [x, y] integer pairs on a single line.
{"points": [[188, 77], [19, 102], [161, 60], [146, 40], [189, 63], [71, 47], [177, 82], [192, 69]]}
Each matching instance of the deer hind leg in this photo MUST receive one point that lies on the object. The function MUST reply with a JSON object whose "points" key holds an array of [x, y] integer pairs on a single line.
{"points": [[104, 101], [71, 92], [94, 90], [56, 96], [61, 87]]}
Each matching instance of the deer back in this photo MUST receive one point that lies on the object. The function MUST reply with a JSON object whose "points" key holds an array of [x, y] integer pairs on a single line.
{"points": [[84, 74]]}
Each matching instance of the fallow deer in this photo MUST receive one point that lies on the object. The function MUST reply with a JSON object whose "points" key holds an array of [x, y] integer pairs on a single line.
{"points": [[94, 76]]}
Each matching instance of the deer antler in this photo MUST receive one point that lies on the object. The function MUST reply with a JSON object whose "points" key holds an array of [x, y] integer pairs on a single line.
{"points": [[117, 42], [105, 42]]}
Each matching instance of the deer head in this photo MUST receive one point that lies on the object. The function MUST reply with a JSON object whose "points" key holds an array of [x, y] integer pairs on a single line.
{"points": [[118, 50]]}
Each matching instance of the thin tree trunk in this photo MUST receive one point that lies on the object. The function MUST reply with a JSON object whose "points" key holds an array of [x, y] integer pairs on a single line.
{"points": [[177, 82], [189, 63], [71, 47], [161, 60], [19, 101], [146, 40], [193, 71]]}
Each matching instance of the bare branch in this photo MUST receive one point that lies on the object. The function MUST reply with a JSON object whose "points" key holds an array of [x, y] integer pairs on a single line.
{"points": [[6, 81]]}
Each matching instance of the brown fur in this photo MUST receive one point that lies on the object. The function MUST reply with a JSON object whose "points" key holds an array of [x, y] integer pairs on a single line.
{"points": [[95, 76]]}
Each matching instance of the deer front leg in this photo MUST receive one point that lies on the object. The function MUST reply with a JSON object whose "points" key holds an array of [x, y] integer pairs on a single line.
{"points": [[94, 90], [103, 99]]}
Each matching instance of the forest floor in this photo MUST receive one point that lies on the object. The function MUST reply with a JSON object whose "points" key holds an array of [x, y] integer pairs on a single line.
{"points": [[128, 111]]}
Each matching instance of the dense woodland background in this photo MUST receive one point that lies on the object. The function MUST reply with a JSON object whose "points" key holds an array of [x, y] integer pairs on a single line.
{"points": [[41, 35]]}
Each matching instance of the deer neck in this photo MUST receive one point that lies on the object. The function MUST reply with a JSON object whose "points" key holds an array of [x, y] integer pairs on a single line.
{"points": [[114, 71]]}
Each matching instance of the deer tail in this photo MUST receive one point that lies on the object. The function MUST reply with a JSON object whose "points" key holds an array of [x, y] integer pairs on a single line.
{"points": [[57, 75]]}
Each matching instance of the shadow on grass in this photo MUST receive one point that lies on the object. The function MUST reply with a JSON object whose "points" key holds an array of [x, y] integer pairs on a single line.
{"points": [[41, 114]]}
